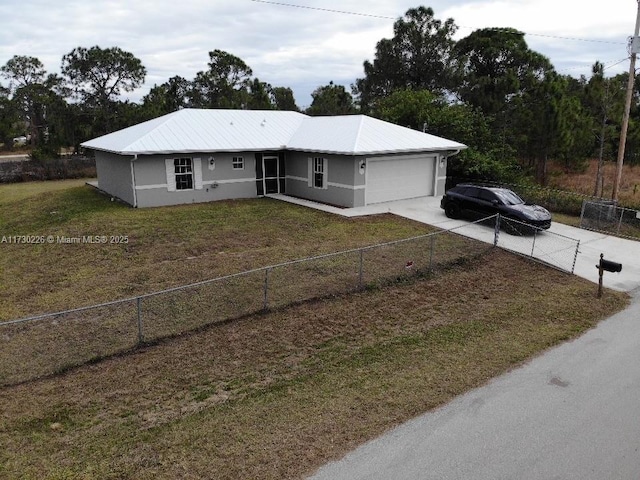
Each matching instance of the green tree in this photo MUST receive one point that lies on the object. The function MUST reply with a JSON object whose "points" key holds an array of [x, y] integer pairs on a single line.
{"points": [[22, 71], [547, 115], [486, 158], [259, 97], [224, 85], [9, 119], [603, 102], [494, 64], [632, 149], [331, 100], [172, 95], [283, 99], [98, 77], [29, 94], [418, 57], [581, 124]]}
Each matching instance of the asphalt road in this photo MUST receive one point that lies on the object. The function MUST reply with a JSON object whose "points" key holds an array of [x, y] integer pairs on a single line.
{"points": [[572, 413], [14, 158]]}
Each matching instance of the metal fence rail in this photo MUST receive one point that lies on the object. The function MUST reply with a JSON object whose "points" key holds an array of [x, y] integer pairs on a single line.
{"points": [[609, 218], [551, 248], [41, 345]]}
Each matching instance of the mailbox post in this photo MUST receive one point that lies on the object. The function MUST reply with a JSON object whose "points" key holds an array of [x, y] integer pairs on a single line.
{"points": [[606, 265]]}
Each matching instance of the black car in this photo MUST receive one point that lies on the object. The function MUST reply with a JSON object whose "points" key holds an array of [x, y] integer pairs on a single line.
{"points": [[481, 201]]}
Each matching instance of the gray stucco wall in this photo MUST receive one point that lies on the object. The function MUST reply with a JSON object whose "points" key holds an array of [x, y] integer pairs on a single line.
{"points": [[219, 180], [114, 175], [345, 186], [343, 179]]}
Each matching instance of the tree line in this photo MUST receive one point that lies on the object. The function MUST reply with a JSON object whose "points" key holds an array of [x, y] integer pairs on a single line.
{"points": [[488, 90]]}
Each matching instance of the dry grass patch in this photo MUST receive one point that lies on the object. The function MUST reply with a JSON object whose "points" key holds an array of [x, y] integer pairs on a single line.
{"points": [[277, 395], [584, 182]]}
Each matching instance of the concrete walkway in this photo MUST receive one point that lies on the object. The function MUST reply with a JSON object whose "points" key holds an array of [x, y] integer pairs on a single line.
{"points": [[427, 210]]}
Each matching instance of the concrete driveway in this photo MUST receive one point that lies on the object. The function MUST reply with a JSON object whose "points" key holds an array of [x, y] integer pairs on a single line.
{"points": [[592, 244]]}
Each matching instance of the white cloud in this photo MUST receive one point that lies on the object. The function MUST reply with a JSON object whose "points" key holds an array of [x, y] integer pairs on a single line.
{"points": [[299, 48]]}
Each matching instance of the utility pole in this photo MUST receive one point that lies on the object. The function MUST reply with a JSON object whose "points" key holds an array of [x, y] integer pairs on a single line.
{"points": [[627, 107]]}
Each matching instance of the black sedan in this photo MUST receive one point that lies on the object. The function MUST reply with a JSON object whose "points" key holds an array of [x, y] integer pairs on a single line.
{"points": [[483, 201]]}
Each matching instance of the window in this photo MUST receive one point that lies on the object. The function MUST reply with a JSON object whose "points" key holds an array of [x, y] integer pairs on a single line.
{"points": [[318, 172], [487, 196], [238, 163], [472, 192], [183, 169], [508, 197]]}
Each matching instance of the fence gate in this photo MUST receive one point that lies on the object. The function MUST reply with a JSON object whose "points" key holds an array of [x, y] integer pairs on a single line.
{"points": [[605, 216]]}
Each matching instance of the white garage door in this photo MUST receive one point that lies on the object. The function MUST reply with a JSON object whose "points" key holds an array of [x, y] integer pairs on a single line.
{"points": [[399, 178]]}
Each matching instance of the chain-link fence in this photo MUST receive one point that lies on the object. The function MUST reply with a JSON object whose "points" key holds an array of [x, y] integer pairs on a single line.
{"points": [[609, 218], [46, 344], [555, 250]]}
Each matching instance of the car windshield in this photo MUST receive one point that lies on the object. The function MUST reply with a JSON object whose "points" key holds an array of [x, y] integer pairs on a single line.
{"points": [[508, 197]]}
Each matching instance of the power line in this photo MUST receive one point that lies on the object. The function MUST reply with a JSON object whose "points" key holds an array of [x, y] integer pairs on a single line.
{"points": [[558, 37], [323, 9], [616, 63], [609, 64], [343, 12], [582, 66]]}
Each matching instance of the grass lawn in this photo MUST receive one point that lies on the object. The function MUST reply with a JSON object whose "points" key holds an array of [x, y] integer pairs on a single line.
{"points": [[566, 219], [273, 395], [166, 247]]}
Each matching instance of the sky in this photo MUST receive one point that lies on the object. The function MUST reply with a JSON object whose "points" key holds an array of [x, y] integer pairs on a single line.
{"points": [[301, 44]]}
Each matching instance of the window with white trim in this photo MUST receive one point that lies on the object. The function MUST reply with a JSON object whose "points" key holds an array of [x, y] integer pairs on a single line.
{"points": [[183, 169], [237, 163], [318, 172]]}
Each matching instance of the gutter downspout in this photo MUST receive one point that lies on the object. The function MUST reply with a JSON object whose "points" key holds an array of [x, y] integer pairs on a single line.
{"points": [[133, 180], [445, 157]]}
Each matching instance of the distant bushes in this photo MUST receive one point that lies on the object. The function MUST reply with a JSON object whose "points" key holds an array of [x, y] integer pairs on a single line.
{"points": [[559, 201], [49, 169]]}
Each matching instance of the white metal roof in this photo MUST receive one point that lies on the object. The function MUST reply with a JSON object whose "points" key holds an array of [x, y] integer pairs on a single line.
{"points": [[360, 134], [200, 130]]}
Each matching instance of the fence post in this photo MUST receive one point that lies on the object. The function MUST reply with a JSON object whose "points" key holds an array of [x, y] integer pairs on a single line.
{"points": [[584, 204], [533, 247], [360, 269], [497, 231], [266, 289], [620, 221], [575, 257], [139, 308]]}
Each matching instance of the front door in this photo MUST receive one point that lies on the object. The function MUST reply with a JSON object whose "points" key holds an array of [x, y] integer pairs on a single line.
{"points": [[271, 179]]}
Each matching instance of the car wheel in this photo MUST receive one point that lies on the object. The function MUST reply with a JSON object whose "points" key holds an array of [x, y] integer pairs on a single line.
{"points": [[452, 210]]}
